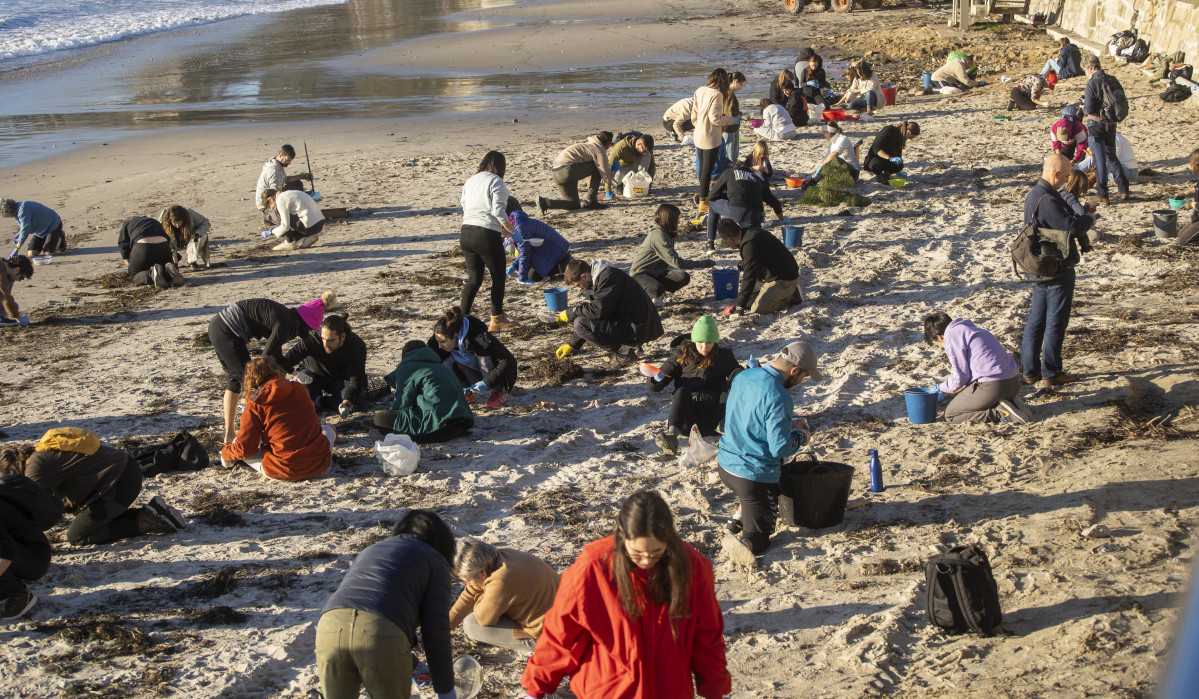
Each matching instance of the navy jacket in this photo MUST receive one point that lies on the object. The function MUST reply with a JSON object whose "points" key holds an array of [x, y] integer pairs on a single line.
{"points": [[405, 581], [1092, 98], [1056, 213], [543, 256], [1070, 62]]}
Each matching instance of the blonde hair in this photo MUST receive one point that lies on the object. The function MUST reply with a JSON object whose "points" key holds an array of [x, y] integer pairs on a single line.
{"points": [[761, 149], [329, 298]]}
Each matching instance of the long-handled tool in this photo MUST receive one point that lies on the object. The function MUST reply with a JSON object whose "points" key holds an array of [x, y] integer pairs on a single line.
{"points": [[316, 196]]}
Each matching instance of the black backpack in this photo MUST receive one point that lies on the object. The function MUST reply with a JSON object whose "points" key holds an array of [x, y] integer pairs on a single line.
{"points": [[961, 594], [1115, 104], [183, 453]]}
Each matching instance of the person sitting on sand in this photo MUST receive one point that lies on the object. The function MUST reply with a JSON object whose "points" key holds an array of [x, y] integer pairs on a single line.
{"points": [[758, 160], [332, 363], [367, 628], [96, 483], [657, 267], [741, 195], [429, 405], [813, 81], [1068, 135], [506, 595], [27, 510], [955, 73], [885, 157], [485, 222], [146, 251], [759, 434], [541, 252], [1068, 63], [280, 436], [777, 95], [633, 153], [839, 147], [776, 122], [677, 119], [795, 104], [1026, 94], [1189, 234], [985, 381], [702, 371], [769, 273], [186, 230], [38, 224], [480, 361], [231, 330], [273, 177], [300, 219], [864, 93], [576, 163], [615, 313], [15, 269]]}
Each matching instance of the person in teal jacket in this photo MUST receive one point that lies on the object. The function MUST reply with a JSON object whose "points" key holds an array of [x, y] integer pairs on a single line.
{"points": [[759, 434], [428, 406]]}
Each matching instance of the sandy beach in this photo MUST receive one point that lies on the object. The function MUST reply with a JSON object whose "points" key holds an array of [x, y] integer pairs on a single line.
{"points": [[228, 607]]}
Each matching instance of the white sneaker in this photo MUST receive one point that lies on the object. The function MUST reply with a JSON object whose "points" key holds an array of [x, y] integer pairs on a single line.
{"points": [[285, 245], [1014, 412], [738, 551], [307, 241]]}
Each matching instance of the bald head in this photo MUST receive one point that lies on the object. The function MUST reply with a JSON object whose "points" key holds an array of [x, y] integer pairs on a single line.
{"points": [[1056, 170]]}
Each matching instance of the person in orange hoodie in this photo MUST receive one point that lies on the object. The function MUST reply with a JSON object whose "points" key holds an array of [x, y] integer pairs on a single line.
{"points": [[635, 617], [280, 435]]}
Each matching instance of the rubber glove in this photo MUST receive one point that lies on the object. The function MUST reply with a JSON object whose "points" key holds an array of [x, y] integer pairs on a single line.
{"points": [[23, 320], [266, 233], [303, 377], [345, 409], [897, 160], [800, 437], [736, 121], [515, 235], [982, 82], [729, 310], [562, 317], [753, 362], [563, 351], [526, 282], [616, 166], [511, 269], [421, 675], [477, 387]]}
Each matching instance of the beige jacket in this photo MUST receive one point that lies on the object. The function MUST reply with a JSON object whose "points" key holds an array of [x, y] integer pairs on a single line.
{"points": [[954, 70], [585, 152], [679, 113], [708, 117], [522, 589]]}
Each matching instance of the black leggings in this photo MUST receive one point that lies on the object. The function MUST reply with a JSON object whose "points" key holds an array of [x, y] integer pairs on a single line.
{"points": [[299, 230], [558, 269], [144, 256], [109, 518], [30, 561], [707, 163], [231, 351], [482, 247], [1022, 101], [882, 169], [703, 408], [385, 421], [759, 508], [662, 282]]}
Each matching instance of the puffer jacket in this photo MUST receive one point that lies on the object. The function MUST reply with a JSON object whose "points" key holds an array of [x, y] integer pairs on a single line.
{"points": [[716, 377], [280, 422], [539, 246]]}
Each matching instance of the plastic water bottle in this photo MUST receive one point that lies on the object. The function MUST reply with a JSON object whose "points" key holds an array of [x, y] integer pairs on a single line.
{"points": [[876, 473]]}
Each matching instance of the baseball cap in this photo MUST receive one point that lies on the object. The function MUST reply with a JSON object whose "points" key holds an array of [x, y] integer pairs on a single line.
{"points": [[803, 356]]}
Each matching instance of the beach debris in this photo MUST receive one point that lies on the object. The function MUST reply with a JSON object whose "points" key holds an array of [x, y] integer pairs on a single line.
{"points": [[834, 188], [1097, 531]]}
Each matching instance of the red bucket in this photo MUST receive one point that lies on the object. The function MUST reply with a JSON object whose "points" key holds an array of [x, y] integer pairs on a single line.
{"points": [[833, 115], [889, 95]]}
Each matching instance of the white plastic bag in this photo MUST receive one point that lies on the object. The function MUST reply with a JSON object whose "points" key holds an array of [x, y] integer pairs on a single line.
{"points": [[688, 140], [398, 455], [698, 450], [637, 184]]}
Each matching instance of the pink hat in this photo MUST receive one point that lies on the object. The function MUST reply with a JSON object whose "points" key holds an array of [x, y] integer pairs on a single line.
{"points": [[312, 313]]}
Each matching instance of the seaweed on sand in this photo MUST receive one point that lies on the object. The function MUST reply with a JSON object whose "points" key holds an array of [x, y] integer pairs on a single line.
{"points": [[834, 188], [221, 509], [107, 636], [553, 371]]}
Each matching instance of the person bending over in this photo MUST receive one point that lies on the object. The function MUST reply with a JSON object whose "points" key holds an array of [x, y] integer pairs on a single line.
{"points": [[615, 313], [1068, 135], [630, 154], [146, 251], [1189, 234], [186, 230], [541, 252], [300, 219], [38, 224], [506, 596], [955, 73], [15, 269], [273, 177], [885, 157], [576, 163], [27, 510], [777, 94], [332, 361], [740, 195], [656, 266], [428, 404], [769, 272], [677, 119], [1026, 94], [480, 361], [985, 383], [701, 371]]}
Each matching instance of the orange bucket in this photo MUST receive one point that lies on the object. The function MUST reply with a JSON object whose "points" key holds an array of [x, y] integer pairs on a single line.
{"points": [[833, 115]]}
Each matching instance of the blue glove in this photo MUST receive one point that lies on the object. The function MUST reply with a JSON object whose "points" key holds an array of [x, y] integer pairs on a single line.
{"points": [[266, 233], [16, 239], [897, 160], [516, 236], [753, 363], [659, 378], [812, 83], [525, 282], [982, 82], [511, 269], [616, 166], [479, 387], [736, 121], [452, 694]]}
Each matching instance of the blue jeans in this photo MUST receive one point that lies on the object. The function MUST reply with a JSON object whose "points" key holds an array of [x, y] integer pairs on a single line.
{"points": [[868, 100], [1041, 350], [1053, 65], [1102, 140]]}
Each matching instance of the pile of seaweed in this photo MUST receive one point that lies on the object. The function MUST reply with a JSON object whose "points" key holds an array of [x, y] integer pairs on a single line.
{"points": [[834, 188]]}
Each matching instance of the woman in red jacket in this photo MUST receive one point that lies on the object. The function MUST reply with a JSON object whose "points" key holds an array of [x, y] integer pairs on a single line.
{"points": [[280, 435], [635, 617]]}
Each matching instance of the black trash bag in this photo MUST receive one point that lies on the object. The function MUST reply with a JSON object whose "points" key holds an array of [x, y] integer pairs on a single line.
{"points": [[183, 453]]}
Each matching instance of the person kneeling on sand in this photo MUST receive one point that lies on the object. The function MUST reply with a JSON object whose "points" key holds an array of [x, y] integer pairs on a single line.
{"points": [[37, 223], [1026, 94], [769, 272], [480, 361], [301, 220], [428, 404], [146, 251], [186, 230], [616, 314], [506, 596], [656, 266], [97, 483], [280, 435], [632, 153], [368, 627], [27, 510], [955, 73], [702, 371], [273, 177], [759, 434], [541, 252], [332, 361], [576, 163], [985, 382], [15, 269]]}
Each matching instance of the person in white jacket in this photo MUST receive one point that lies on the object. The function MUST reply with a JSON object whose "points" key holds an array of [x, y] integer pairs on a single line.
{"points": [[300, 219], [776, 122], [484, 225]]}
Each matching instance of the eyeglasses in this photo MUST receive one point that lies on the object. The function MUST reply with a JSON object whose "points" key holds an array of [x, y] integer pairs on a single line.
{"points": [[644, 555]]}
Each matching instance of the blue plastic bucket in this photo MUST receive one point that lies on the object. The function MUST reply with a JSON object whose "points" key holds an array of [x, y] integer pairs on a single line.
{"points": [[793, 236], [724, 283], [922, 405], [555, 299], [927, 79]]}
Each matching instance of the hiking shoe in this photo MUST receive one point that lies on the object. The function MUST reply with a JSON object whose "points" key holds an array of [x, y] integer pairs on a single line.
{"points": [[18, 605], [1010, 412], [497, 399], [159, 276], [1122, 196], [499, 323], [1061, 379], [733, 526], [738, 551], [594, 205], [542, 205], [1032, 379], [148, 522], [667, 442], [307, 241], [165, 511], [285, 245], [174, 275]]}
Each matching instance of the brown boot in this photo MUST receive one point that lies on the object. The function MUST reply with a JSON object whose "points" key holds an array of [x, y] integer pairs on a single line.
{"points": [[499, 323]]}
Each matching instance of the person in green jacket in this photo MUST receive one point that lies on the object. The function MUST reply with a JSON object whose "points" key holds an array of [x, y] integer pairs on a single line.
{"points": [[429, 405], [656, 266], [632, 153]]}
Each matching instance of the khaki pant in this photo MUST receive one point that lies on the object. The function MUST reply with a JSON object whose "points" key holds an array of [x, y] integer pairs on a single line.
{"points": [[775, 296], [499, 634], [355, 648]]}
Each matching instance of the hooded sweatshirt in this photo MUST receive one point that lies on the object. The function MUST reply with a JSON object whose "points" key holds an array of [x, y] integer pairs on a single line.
{"points": [[34, 219], [428, 394], [657, 254], [280, 422], [617, 297]]}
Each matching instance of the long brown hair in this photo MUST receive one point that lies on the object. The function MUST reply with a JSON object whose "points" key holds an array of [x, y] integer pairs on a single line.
{"points": [[719, 80], [645, 514], [259, 371], [1078, 183], [450, 323], [667, 218], [13, 458], [1194, 160], [182, 234], [691, 355], [786, 75]]}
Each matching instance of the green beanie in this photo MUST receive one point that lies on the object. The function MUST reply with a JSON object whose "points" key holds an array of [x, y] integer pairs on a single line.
{"points": [[705, 330]]}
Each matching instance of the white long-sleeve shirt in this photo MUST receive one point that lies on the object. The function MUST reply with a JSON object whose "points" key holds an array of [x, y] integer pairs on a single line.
{"points": [[484, 201], [776, 124], [293, 201]]}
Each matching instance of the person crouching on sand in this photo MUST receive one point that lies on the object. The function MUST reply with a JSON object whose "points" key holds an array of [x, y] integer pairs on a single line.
{"points": [[657, 267], [615, 314], [300, 219], [576, 163], [332, 364], [429, 405], [506, 596], [186, 230], [480, 361], [15, 269], [541, 252], [985, 383], [146, 251]]}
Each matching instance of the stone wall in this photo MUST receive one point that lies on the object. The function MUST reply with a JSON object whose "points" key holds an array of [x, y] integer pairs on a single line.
{"points": [[1168, 25]]}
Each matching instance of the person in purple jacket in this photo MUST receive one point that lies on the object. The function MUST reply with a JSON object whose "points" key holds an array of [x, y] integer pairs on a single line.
{"points": [[541, 252], [985, 382]]}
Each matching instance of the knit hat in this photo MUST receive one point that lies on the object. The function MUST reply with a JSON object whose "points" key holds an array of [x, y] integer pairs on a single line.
{"points": [[705, 330], [312, 313]]}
